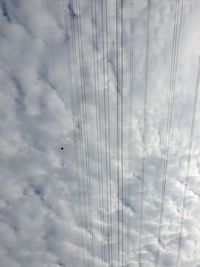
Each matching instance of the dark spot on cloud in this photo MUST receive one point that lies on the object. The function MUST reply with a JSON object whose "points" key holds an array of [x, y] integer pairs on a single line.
{"points": [[5, 12], [62, 148], [71, 11], [61, 264]]}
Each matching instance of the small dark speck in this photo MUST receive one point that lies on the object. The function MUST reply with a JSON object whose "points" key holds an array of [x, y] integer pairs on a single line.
{"points": [[62, 148]]}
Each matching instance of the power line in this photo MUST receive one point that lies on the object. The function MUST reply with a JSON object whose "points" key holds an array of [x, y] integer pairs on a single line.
{"points": [[130, 192], [85, 123], [100, 130], [105, 126], [188, 161], [122, 128], [144, 127], [108, 120], [118, 177], [82, 136], [98, 126], [172, 85], [78, 147]]}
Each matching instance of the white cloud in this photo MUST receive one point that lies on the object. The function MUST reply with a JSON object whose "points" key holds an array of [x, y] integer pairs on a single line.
{"points": [[45, 206]]}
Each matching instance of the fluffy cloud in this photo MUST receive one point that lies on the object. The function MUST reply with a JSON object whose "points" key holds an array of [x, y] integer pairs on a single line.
{"points": [[57, 204]]}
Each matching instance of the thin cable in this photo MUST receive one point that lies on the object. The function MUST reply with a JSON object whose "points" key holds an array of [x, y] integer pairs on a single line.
{"points": [[118, 175], [122, 128], [73, 105], [109, 154], [105, 127], [81, 133], [83, 146], [144, 128], [188, 161], [171, 91], [85, 120], [97, 125], [100, 130], [130, 192]]}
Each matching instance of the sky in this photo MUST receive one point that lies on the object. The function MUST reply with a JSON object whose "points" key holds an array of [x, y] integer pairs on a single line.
{"points": [[99, 133]]}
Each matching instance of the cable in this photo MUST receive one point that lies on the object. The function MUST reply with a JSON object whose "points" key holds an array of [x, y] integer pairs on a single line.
{"points": [[122, 127], [100, 130], [130, 193], [174, 59], [81, 133], [85, 131], [73, 105], [108, 121], [118, 176], [188, 161], [105, 128], [97, 125], [144, 128]]}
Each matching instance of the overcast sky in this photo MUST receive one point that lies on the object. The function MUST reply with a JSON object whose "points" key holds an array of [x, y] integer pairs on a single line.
{"points": [[99, 133]]}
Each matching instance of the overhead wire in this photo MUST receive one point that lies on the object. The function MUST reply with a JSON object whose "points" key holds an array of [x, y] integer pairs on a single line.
{"points": [[118, 171], [77, 157], [81, 135], [122, 129], [189, 157], [82, 111], [130, 116], [119, 92], [105, 127], [146, 85], [170, 104], [100, 133], [98, 125], [85, 131], [109, 144]]}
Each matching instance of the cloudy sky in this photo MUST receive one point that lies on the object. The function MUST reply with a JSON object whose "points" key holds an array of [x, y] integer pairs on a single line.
{"points": [[99, 133]]}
